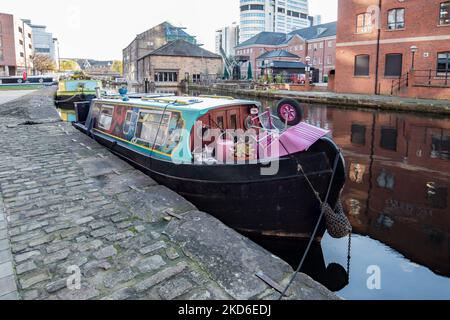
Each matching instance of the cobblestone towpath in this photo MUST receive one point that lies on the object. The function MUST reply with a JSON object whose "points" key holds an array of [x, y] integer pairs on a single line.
{"points": [[78, 223]]}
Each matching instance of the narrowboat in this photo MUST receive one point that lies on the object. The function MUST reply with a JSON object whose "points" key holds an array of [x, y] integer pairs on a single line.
{"points": [[267, 183], [74, 91]]}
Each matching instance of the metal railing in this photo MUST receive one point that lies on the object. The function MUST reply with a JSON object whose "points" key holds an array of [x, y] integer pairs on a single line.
{"points": [[401, 82], [431, 77]]}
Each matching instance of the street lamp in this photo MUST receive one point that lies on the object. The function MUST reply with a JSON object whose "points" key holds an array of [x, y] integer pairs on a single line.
{"points": [[414, 49], [308, 69], [308, 60]]}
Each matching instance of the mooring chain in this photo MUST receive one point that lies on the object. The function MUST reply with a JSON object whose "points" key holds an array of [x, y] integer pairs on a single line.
{"points": [[316, 193], [349, 255], [322, 213]]}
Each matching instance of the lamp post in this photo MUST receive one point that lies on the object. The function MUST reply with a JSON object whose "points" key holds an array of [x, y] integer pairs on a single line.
{"points": [[414, 50], [308, 68], [55, 40]]}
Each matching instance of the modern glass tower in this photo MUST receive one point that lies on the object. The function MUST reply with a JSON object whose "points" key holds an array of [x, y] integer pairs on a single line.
{"points": [[272, 15]]}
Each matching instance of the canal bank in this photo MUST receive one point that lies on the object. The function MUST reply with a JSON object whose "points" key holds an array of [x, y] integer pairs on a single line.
{"points": [[440, 107], [72, 208], [396, 198]]}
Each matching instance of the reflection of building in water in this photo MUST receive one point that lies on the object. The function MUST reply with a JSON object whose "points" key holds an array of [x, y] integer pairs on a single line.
{"points": [[398, 177]]}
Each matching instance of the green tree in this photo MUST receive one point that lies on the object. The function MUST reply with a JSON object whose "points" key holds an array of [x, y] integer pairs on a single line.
{"points": [[249, 72], [117, 66], [69, 65]]}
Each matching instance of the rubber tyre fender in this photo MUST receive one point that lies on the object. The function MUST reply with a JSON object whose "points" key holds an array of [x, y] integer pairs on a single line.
{"points": [[295, 109]]}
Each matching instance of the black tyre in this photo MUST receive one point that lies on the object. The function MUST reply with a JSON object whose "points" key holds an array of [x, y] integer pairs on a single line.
{"points": [[290, 111]]}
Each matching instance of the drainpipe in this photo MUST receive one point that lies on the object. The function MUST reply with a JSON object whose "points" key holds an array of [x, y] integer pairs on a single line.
{"points": [[377, 63], [323, 60]]}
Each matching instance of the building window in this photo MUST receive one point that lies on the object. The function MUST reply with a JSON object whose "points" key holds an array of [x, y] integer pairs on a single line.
{"points": [[444, 17], [22, 55], [443, 65], [364, 23], [1, 54], [195, 78], [362, 65], [42, 50], [358, 134], [437, 196], [393, 65], [389, 139], [21, 42], [20, 30], [29, 35], [166, 77], [396, 19], [330, 44], [329, 60]]}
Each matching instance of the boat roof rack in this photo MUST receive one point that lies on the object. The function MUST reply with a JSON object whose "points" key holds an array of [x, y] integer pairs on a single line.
{"points": [[216, 97], [173, 101]]}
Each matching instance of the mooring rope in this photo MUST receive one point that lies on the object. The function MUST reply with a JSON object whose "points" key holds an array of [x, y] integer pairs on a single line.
{"points": [[322, 213], [67, 100]]}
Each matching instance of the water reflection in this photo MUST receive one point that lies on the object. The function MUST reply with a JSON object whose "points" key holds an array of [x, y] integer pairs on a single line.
{"points": [[397, 200]]}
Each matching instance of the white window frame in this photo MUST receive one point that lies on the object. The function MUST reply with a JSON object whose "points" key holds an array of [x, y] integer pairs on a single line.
{"points": [[100, 122]]}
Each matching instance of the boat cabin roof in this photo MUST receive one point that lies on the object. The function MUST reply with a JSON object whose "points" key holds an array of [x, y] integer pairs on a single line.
{"points": [[200, 104]]}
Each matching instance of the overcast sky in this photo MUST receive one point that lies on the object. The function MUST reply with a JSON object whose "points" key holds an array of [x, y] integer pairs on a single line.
{"points": [[100, 29]]}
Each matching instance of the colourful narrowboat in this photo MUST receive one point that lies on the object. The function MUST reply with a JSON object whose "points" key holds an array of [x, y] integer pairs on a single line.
{"points": [[270, 183], [73, 91]]}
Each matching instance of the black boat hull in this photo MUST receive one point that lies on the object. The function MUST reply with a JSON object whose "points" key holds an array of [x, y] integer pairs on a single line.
{"points": [[282, 206], [67, 102]]}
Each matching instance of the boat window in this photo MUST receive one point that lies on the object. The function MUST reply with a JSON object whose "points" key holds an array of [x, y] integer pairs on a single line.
{"points": [[233, 122], [174, 134], [106, 116], [127, 124], [220, 123], [152, 128]]}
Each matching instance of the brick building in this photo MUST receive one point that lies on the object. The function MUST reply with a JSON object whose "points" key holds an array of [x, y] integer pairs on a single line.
{"points": [[394, 47], [16, 46], [147, 42], [317, 42], [175, 62]]}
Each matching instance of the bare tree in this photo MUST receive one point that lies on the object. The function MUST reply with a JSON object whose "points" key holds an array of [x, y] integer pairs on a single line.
{"points": [[43, 63]]}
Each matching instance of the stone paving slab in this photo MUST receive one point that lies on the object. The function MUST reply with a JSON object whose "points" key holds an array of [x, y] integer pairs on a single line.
{"points": [[82, 224], [8, 287]]}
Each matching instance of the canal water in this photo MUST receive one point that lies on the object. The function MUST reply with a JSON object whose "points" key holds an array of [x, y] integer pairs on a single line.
{"points": [[397, 199]]}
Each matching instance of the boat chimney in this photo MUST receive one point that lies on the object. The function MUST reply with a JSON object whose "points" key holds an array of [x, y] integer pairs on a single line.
{"points": [[98, 92]]}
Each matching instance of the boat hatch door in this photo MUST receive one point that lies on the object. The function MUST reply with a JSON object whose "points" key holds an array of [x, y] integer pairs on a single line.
{"points": [[233, 120]]}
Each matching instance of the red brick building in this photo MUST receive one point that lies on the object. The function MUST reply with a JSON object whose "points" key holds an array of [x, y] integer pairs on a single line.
{"points": [[317, 42], [394, 47], [16, 46]]}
